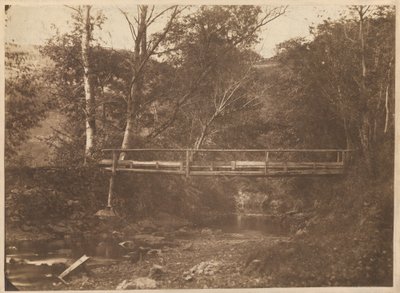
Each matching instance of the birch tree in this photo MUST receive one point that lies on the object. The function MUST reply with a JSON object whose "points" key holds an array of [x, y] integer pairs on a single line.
{"points": [[144, 48], [90, 109]]}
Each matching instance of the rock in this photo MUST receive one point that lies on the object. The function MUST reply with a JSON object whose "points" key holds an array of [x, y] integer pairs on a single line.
{"points": [[12, 261], [207, 268], [71, 202], [139, 283], [117, 235], [301, 232], [253, 266], [144, 283], [182, 232], [12, 248], [59, 228], [26, 228], [153, 252], [188, 247], [122, 285], [129, 245], [133, 257], [150, 240], [206, 231], [156, 272]]}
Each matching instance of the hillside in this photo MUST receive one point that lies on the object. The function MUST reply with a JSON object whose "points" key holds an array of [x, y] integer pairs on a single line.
{"points": [[34, 151]]}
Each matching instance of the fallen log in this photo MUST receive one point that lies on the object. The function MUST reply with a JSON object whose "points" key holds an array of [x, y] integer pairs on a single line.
{"points": [[72, 267]]}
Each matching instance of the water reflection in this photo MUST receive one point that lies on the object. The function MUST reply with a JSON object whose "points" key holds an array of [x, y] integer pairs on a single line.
{"points": [[34, 265], [240, 222]]}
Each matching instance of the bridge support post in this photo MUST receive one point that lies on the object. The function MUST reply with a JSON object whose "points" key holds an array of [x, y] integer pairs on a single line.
{"points": [[266, 162], [112, 178]]}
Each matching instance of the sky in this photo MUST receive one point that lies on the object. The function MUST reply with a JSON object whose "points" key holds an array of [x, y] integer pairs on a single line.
{"points": [[33, 25]]}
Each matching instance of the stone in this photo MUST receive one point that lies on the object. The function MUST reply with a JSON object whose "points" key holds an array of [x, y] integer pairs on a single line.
{"points": [[188, 247], [156, 271], [129, 245], [71, 202], [122, 285], [150, 240], [206, 231], [26, 228], [301, 232], [139, 283], [253, 266], [153, 252], [133, 256], [182, 232], [145, 283], [205, 268], [59, 228]]}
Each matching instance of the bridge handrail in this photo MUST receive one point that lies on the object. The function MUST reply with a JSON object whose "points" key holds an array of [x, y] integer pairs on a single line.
{"points": [[228, 150]]}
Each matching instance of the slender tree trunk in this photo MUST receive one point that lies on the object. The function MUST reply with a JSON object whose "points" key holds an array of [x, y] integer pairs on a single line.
{"points": [[200, 139], [135, 96], [203, 134], [365, 128], [88, 85], [347, 134], [387, 111]]}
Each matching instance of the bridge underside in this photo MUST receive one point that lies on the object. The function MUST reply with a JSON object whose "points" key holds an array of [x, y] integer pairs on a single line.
{"points": [[224, 168]]}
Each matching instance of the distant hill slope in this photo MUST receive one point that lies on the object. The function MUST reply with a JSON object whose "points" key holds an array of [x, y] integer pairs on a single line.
{"points": [[34, 152]]}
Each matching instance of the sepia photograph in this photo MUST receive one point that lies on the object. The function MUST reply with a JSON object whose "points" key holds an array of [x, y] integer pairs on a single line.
{"points": [[198, 146]]}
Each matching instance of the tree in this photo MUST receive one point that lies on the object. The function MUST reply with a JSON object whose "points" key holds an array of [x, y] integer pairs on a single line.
{"points": [[74, 85], [342, 77], [210, 50], [26, 100], [143, 50], [90, 109]]}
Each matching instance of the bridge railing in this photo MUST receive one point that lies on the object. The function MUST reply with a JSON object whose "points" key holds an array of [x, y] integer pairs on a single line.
{"points": [[183, 161]]}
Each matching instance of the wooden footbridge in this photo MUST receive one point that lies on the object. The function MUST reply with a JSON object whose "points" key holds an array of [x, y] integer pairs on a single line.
{"points": [[223, 162], [229, 162]]}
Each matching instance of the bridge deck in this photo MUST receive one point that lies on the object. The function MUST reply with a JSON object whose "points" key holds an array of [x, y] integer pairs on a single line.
{"points": [[273, 163]]}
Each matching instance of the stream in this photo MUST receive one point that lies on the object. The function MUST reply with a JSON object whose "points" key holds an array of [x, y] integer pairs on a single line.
{"points": [[31, 265]]}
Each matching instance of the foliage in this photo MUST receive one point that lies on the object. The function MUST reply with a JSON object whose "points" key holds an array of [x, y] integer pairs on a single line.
{"points": [[26, 101], [211, 51], [326, 84]]}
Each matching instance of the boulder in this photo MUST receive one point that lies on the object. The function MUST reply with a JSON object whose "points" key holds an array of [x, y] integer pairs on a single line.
{"points": [[139, 283]]}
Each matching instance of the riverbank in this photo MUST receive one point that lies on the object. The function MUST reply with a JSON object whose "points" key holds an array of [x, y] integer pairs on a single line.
{"points": [[190, 258], [306, 235]]}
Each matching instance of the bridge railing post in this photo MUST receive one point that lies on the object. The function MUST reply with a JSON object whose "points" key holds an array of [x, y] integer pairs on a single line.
{"points": [[266, 162], [187, 163], [343, 158]]}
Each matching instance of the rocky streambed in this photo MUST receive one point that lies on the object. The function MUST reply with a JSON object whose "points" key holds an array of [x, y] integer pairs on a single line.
{"points": [[149, 254]]}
